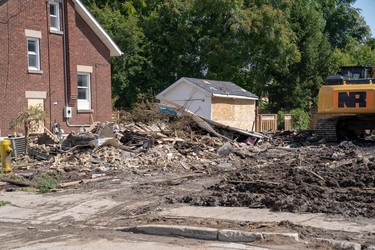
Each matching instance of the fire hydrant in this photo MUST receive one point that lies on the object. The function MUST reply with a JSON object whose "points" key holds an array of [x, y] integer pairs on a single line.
{"points": [[5, 151]]}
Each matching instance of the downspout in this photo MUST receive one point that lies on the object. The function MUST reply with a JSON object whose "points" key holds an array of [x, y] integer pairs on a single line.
{"points": [[66, 69], [49, 67], [65, 55]]}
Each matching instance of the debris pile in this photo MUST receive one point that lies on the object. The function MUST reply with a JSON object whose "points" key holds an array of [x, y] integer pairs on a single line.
{"points": [[121, 150], [285, 171]]}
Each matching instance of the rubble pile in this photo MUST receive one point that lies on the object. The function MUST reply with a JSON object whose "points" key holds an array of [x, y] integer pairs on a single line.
{"points": [[284, 171], [118, 150]]}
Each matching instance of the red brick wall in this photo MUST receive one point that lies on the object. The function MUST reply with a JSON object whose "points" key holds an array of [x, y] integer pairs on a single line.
{"points": [[84, 48]]}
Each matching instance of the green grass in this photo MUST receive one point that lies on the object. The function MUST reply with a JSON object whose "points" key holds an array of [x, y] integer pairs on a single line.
{"points": [[46, 182], [3, 203]]}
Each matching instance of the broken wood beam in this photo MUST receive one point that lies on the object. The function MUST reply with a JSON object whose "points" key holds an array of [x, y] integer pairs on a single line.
{"points": [[197, 119]]}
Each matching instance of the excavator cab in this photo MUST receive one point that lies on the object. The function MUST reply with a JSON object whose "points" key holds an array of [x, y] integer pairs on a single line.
{"points": [[352, 75], [356, 72]]}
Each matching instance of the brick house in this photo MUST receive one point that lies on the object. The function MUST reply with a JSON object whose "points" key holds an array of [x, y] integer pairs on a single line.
{"points": [[54, 54]]}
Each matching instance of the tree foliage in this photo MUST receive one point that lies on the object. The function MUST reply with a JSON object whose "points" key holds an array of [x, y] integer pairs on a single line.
{"points": [[279, 49]]}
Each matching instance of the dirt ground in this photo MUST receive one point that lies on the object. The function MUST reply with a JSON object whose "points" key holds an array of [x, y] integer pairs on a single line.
{"points": [[289, 172], [337, 179]]}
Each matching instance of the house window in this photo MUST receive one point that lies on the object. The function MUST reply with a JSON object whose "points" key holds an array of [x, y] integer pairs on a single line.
{"points": [[84, 98], [54, 14], [33, 53]]}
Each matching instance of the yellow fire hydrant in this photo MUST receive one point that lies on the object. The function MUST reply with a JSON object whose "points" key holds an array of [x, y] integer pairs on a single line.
{"points": [[5, 151]]}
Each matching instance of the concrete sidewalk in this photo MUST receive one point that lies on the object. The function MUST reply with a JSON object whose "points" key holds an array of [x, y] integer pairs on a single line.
{"points": [[324, 221], [92, 209]]}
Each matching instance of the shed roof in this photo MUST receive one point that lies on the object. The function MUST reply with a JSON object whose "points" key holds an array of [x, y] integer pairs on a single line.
{"points": [[222, 88]]}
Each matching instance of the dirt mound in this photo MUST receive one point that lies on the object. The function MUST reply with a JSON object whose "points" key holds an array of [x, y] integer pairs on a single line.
{"points": [[338, 180]]}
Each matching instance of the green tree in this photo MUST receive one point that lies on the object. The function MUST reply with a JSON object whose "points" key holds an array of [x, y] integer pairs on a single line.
{"points": [[172, 43], [128, 71], [356, 53], [343, 22], [297, 86], [270, 44], [218, 39], [282, 49]]}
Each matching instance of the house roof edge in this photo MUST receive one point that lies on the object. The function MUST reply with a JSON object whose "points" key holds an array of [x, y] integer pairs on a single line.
{"points": [[97, 28]]}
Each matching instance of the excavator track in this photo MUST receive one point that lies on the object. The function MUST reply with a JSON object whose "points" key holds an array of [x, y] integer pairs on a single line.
{"points": [[327, 129]]}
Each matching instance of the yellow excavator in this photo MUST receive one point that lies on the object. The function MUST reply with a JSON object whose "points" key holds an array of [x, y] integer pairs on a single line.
{"points": [[346, 104]]}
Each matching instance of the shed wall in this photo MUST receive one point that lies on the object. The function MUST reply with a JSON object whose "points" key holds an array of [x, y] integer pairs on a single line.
{"points": [[191, 97], [238, 113]]}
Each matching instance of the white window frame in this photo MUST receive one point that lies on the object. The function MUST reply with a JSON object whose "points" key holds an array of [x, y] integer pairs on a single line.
{"points": [[35, 53], [55, 16], [84, 104]]}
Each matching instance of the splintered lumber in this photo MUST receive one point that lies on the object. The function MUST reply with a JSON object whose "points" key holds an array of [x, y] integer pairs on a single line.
{"points": [[50, 134], [174, 140], [184, 165], [206, 124], [240, 131], [242, 154], [68, 184], [313, 173], [20, 182], [200, 122], [92, 127], [160, 135]]}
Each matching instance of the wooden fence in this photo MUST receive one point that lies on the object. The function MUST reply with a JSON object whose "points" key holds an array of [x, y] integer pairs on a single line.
{"points": [[266, 122], [288, 122]]}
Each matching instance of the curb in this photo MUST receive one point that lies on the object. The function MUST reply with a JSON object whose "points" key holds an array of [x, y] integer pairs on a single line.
{"points": [[205, 233], [227, 235], [342, 245], [238, 236]]}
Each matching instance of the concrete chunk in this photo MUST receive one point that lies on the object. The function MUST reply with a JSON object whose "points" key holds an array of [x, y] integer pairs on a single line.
{"points": [[238, 236], [291, 236], [185, 231], [226, 149]]}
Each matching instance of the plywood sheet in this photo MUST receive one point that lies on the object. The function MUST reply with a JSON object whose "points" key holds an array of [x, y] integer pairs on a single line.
{"points": [[239, 113]]}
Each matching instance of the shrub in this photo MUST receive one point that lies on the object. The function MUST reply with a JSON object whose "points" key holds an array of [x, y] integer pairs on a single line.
{"points": [[46, 182], [300, 119]]}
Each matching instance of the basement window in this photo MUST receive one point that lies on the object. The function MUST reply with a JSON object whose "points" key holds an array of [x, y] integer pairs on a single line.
{"points": [[33, 54], [54, 15], [84, 96]]}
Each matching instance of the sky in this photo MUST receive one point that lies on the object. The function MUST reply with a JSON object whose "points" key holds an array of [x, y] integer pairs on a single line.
{"points": [[368, 7]]}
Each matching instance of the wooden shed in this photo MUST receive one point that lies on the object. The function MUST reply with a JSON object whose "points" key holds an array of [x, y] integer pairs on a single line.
{"points": [[220, 101]]}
